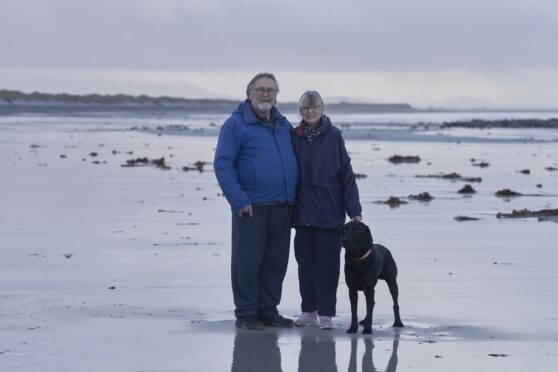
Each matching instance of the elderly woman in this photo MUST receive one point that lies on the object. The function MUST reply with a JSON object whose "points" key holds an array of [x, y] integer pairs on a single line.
{"points": [[326, 191]]}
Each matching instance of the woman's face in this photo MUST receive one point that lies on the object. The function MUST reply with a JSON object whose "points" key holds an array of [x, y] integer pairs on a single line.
{"points": [[311, 114]]}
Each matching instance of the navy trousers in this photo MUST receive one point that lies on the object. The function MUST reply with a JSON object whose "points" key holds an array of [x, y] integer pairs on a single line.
{"points": [[318, 252], [260, 254]]}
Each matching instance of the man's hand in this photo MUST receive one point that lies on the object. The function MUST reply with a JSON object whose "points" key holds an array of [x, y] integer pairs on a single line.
{"points": [[356, 218], [246, 211]]}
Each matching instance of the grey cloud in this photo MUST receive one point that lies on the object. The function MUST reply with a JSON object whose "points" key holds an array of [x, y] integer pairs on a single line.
{"points": [[330, 35]]}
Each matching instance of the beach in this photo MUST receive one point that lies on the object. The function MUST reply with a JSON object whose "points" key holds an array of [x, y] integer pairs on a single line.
{"points": [[108, 266]]}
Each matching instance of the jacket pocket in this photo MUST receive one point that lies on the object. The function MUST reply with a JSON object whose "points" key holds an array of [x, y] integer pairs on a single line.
{"points": [[247, 175]]}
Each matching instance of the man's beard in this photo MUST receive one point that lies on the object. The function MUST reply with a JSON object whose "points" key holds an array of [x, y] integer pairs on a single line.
{"points": [[264, 107]]}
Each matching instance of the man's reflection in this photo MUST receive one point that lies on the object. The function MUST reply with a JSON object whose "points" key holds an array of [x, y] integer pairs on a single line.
{"points": [[256, 352], [317, 353]]}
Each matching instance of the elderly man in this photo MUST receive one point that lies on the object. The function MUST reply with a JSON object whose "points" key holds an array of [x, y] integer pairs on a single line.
{"points": [[257, 171]]}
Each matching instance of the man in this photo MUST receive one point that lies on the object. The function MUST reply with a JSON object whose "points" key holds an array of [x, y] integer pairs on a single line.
{"points": [[256, 169]]}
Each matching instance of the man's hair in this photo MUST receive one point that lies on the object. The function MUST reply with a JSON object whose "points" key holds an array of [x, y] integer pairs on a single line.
{"points": [[311, 98], [258, 77]]}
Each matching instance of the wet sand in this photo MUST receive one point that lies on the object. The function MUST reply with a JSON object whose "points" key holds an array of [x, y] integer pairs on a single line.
{"points": [[114, 268]]}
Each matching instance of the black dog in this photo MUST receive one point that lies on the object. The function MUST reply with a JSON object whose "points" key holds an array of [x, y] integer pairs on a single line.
{"points": [[365, 263]]}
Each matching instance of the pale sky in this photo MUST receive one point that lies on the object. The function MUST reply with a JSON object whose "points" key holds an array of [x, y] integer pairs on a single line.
{"points": [[423, 52]]}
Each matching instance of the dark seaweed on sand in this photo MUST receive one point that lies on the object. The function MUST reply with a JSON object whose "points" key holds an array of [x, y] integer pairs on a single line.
{"points": [[467, 189], [482, 164], [398, 159], [506, 123], [159, 163], [197, 166], [525, 213], [424, 196], [465, 218], [451, 176], [507, 192], [393, 202]]}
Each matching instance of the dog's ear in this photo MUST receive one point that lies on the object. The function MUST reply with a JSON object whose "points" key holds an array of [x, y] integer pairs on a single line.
{"points": [[370, 240]]}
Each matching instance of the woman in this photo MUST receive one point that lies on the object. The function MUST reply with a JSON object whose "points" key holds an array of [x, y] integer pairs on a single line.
{"points": [[326, 190]]}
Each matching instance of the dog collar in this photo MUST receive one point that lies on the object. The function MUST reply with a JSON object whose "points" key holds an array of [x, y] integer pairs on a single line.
{"points": [[364, 256]]}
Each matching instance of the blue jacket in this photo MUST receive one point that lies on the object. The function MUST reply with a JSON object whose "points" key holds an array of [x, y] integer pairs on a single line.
{"points": [[254, 161], [327, 187]]}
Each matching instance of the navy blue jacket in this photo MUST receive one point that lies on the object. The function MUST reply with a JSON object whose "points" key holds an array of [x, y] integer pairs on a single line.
{"points": [[254, 161], [327, 187]]}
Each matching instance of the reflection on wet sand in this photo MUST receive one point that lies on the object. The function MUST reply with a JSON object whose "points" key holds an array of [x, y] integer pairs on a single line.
{"points": [[367, 358], [259, 351], [317, 353], [256, 351]]}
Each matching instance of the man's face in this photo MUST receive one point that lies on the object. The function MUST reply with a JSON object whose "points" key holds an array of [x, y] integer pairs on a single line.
{"points": [[263, 94]]}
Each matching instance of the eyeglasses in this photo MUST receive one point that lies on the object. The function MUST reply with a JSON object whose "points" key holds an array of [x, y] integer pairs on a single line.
{"points": [[314, 108], [268, 91]]}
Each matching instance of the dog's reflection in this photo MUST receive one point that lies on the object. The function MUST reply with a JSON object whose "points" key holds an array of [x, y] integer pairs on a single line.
{"points": [[317, 353], [256, 351], [367, 358]]}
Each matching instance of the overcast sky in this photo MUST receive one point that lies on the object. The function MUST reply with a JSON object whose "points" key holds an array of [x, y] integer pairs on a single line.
{"points": [[424, 52]]}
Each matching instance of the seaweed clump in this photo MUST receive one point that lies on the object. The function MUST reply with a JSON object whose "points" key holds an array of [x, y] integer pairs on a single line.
{"points": [[542, 214], [507, 193], [197, 166], [451, 176], [465, 218], [138, 162], [393, 202], [423, 196], [467, 189], [398, 159]]}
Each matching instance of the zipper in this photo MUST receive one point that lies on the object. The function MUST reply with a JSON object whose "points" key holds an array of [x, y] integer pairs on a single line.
{"points": [[309, 171], [275, 128]]}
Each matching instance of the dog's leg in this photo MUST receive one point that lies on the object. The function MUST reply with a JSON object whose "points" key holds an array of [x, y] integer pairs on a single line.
{"points": [[353, 296], [369, 310], [394, 290]]}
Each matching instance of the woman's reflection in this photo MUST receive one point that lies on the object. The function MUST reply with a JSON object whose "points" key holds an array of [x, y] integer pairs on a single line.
{"points": [[317, 353]]}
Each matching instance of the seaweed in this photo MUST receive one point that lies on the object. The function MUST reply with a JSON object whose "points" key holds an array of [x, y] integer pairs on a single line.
{"points": [[398, 159]]}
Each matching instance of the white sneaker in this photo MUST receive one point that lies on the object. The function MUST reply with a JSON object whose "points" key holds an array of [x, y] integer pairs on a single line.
{"points": [[326, 322], [307, 319]]}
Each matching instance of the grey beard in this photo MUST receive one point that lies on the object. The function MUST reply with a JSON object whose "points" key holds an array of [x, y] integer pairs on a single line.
{"points": [[264, 107]]}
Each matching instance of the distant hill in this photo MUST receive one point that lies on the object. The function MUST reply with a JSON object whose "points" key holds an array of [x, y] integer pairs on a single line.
{"points": [[16, 101], [17, 98]]}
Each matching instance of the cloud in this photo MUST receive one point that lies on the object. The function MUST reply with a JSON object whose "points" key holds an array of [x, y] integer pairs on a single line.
{"points": [[327, 35], [422, 52]]}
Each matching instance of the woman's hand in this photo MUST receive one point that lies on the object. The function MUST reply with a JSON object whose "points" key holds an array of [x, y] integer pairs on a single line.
{"points": [[356, 219]]}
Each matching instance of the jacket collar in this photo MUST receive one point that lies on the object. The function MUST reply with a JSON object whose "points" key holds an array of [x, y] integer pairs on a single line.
{"points": [[249, 117], [324, 126]]}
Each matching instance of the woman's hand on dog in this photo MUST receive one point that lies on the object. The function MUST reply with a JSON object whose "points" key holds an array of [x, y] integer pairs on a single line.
{"points": [[356, 218]]}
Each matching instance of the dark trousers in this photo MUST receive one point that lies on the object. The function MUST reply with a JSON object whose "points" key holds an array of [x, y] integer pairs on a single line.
{"points": [[318, 252], [260, 254]]}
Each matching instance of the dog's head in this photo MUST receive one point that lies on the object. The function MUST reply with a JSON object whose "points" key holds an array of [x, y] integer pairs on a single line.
{"points": [[356, 239]]}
